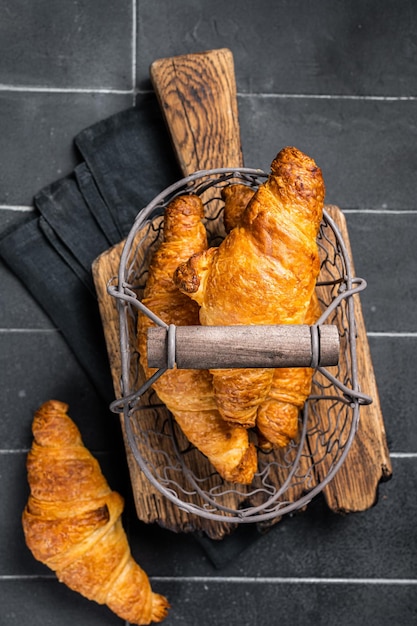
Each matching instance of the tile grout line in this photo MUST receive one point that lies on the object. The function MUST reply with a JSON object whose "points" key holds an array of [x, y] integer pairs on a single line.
{"points": [[92, 90], [399, 334], [134, 50], [249, 580], [240, 94], [29, 330], [381, 211], [16, 207], [283, 580], [317, 96]]}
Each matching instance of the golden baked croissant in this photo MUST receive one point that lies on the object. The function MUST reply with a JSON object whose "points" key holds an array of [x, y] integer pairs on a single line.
{"points": [[236, 198], [72, 521], [188, 394], [264, 272], [277, 416]]}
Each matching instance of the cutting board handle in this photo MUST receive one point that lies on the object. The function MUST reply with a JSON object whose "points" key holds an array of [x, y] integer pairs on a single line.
{"points": [[212, 347], [197, 95]]}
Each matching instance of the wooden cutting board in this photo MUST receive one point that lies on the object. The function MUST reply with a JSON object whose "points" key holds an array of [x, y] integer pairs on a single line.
{"points": [[197, 94]]}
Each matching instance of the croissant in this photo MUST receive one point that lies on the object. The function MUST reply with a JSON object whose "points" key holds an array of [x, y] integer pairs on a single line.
{"points": [[236, 198], [188, 394], [72, 521], [264, 272], [277, 415]]}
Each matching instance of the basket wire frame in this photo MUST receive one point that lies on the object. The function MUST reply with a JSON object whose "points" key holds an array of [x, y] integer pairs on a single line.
{"points": [[287, 479]]}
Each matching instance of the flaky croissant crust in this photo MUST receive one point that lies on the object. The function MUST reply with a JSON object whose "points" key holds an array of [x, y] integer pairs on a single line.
{"points": [[188, 394], [277, 417], [264, 272], [72, 521]]}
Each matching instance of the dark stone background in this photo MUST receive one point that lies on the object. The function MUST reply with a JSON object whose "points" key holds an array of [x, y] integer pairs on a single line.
{"points": [[339, 81]]}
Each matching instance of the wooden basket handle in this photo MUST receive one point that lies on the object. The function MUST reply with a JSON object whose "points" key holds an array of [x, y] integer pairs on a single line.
{"points": [[213, 347]]}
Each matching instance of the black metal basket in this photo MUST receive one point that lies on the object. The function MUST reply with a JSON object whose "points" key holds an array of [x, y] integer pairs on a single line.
{"points": [[286, 479]]}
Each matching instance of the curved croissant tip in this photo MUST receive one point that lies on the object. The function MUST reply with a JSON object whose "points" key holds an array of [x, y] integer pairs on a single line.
{"points": [[52, 422], [160, 607], [299, 172], [293, 155], [55, 406], [186, 203]]}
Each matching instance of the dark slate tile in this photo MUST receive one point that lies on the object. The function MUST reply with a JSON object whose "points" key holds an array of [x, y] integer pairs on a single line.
{"points": [[16, 558], [384, 253], [237, 603], [38, 366], [163, 552], [37, 131], [310, 546], [12, 218], [45, 602], [241, 603], [377, 543], [86, 45], [19, 310], [365, 148], [395, 365], [299, 48]]}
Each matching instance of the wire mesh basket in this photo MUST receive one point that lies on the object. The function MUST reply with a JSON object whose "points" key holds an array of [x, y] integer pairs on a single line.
{"points": [[286, 479]]}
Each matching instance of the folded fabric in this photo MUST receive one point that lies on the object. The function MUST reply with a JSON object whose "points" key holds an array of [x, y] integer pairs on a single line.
{"points": [[66, 255], [63, 207], [63, 296], [104, 217], [81, 215], [130, 158]]}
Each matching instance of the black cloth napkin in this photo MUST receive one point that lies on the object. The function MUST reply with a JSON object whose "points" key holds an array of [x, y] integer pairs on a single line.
{"points": [[105, 218], [64, 297], [125, 161], [131, 160]]}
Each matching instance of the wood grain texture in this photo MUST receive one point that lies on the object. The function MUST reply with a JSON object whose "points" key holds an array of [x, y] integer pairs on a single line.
{"points": [[355, 486], [211, 347], [197, 94]]}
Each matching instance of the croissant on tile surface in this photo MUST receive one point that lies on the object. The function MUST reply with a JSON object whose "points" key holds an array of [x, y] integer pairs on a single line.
{"points": [[264, 272], [72, 521], [188, 394], [277, 416]]}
